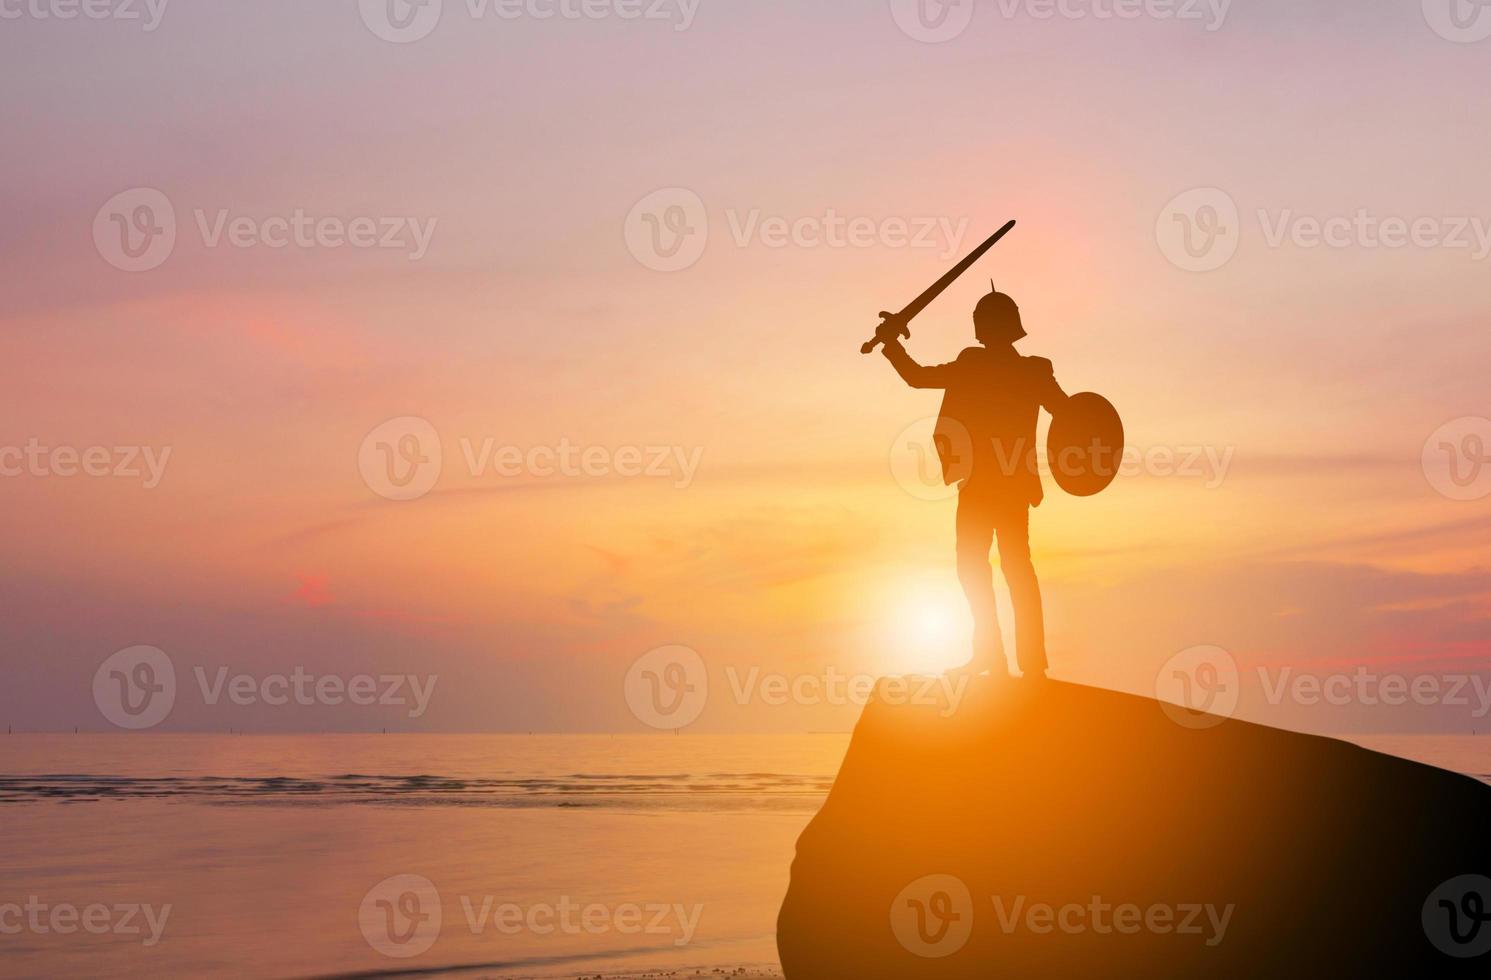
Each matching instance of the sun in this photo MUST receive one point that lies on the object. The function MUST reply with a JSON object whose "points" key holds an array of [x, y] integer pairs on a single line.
{"points": [[930, 624]]}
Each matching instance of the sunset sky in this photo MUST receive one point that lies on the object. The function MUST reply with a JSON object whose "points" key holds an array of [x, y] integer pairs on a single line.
{"points": [[1317, 374]]}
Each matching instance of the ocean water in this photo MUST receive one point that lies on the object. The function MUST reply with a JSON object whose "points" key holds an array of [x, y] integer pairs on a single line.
{"points": [[496, 855], [386, 855]]}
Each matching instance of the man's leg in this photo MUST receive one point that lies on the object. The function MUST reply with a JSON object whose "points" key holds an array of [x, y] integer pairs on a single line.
{"points": [[975, 535], [1025, 591]]}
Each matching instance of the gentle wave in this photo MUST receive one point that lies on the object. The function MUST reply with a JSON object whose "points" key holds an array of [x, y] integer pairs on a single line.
{"points": [[770, 791]]}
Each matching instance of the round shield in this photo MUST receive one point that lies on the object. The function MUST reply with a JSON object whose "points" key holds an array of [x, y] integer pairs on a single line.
{"points": [[1085, 444]]}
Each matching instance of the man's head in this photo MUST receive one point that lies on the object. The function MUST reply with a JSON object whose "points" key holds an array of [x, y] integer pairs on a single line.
{"points": [[996, 320]]}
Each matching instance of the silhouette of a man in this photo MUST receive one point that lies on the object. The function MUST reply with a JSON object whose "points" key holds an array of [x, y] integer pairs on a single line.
{"points": [[986, 444]]}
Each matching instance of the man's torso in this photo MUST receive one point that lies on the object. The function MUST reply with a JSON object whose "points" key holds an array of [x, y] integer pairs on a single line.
{"points": [[986, 431]]}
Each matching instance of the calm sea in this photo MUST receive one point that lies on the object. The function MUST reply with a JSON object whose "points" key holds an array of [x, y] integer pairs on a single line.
{"points": [[381, 855]]}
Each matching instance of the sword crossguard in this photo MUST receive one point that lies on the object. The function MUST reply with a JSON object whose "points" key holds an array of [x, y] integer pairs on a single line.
{"points": [[902, 330]]}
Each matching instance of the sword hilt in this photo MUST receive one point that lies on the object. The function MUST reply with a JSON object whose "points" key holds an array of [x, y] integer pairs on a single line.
{"points": [[868, 347]]}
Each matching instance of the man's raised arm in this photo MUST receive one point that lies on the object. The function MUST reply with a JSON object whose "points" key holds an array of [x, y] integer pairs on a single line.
{"points": [[914, 374]]}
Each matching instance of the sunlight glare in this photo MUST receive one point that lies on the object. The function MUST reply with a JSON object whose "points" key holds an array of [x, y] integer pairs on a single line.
{"points": [[930, 623]]}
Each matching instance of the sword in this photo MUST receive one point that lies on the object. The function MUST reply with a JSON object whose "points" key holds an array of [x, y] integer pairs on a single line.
{"points": [[903, 319]]}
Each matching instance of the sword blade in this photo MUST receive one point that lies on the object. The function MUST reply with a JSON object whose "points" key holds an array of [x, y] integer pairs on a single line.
{"points": [[934, 290]]}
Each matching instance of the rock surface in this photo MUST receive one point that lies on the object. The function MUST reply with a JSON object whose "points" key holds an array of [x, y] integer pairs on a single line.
{"points": [[1054, 830]]}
